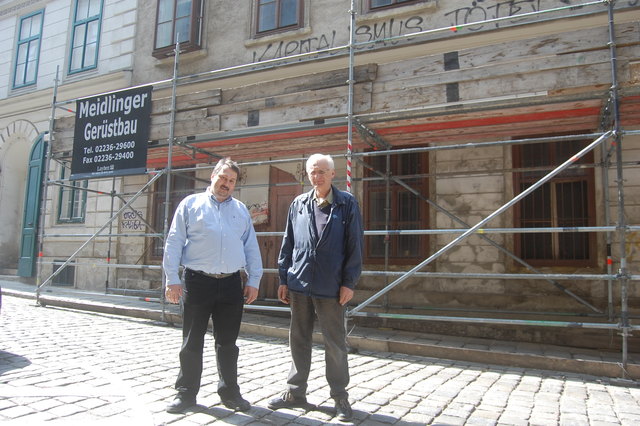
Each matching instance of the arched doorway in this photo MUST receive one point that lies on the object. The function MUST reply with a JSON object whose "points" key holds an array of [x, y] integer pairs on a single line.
{"points": [[31, 216], [16, 141]]}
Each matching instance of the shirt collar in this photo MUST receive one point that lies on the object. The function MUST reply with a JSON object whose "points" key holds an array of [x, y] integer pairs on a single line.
{"points": [[327, 200], [213, 197]]}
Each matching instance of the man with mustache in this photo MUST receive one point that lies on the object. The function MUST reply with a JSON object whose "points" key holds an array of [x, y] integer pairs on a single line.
{"points": [[213, 237]]}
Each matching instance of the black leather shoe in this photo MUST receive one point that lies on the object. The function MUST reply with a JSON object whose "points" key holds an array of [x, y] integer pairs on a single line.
{"points": [[236, 403], [286, 400], [344, 413], [180, 404]]}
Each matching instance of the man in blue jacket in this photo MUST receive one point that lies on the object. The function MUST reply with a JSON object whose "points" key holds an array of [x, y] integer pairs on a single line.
{"points": [[319, 265]]}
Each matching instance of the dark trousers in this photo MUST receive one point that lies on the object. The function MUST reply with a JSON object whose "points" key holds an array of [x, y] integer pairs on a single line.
{"points": [[221, 300], [331, 318]]}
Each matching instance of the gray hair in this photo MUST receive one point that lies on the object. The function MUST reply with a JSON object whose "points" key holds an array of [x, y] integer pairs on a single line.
{"points": [[319, 157]]}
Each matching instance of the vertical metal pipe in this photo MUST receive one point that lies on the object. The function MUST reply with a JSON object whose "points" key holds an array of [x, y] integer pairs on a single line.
{"points": [[45, 185], [113, 191], [352, 35], [387, 219], [606, 164], [167, 193], [622, 272]]}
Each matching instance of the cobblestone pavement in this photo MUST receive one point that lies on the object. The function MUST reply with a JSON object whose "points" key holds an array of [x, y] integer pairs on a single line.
{"points": [[60, 366]]}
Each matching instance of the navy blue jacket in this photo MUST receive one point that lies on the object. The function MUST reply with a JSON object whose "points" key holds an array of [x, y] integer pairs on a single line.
{"points": [[319, 267]]}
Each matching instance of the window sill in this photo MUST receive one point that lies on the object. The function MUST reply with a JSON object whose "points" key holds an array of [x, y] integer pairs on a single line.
{"points": [[81, 75], [257, 40], [191, 56], [23, 90], [377, 14]]}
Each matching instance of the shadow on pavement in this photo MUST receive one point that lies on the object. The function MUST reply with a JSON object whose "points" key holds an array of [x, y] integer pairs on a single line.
{"points": [[259, 414], [362, 417], [10, 361]]}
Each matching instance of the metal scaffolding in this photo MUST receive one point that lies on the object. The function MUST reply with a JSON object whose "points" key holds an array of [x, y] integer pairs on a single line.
{"points": [[611, 133]]}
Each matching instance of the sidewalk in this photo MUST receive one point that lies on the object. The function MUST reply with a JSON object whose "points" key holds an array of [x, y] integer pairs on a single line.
{"points": [[486, 351]]}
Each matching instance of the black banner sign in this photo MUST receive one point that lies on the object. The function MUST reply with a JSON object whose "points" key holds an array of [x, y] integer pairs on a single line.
{"points": [[111, 134]]}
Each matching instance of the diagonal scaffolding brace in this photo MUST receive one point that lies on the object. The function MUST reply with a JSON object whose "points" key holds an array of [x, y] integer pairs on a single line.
{"points": [[98, 232]]}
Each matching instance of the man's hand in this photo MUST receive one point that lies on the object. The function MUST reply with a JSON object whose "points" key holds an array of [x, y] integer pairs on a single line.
{"points": [[346, 294], [173, 293], [250, 293], [283, 294]]}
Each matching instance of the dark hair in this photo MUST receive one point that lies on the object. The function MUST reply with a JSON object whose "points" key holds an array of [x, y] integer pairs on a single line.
{"points": [[226, 162]]}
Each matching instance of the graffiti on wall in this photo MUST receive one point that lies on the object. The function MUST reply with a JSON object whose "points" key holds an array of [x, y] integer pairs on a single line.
{"points": [[475, 11], [295, 47], [482, 10], [259, 213], [131, 221]]}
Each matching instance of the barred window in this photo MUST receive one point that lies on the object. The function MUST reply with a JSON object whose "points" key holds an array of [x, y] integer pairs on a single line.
{"points": [[407, 210], [72, 204], [182, 184], [567, 200]]}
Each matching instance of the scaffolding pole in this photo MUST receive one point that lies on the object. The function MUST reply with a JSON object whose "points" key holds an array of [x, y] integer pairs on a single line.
{"points": [[622, 272], [167, 194], [45, 183], [351, 83], [113, 199]]}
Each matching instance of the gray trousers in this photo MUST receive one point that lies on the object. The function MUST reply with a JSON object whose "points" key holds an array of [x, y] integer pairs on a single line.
{"points": [[331, 317]]}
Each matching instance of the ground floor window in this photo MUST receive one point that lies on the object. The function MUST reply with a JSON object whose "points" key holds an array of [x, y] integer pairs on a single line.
{"points": [[182, 184], [568, 200], [72, 200], [406, 209]]}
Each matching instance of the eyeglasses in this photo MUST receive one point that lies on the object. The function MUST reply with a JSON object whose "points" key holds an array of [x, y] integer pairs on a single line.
{"points": [[319, 172]]}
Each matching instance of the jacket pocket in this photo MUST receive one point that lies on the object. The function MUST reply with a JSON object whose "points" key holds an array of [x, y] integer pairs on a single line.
{"points": [[299, 271]]}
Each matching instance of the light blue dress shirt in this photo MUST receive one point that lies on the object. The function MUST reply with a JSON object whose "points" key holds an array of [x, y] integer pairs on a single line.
{"points": [[213, 237]]}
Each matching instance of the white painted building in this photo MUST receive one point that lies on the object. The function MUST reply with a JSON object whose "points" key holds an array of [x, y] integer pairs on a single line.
{"points": [[38, 44]]}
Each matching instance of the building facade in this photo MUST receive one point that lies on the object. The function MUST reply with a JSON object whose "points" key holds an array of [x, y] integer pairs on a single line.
{"points": [[456, 108], [88, 46]]}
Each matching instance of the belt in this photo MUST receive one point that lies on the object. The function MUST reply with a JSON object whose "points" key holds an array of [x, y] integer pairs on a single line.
{"points": [[216, 276]]}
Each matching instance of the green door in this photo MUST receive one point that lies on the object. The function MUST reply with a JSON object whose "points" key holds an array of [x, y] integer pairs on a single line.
{"points": [[29, 239]]}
